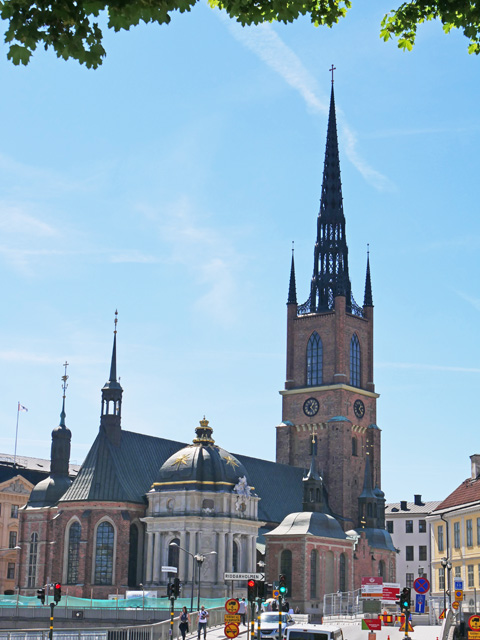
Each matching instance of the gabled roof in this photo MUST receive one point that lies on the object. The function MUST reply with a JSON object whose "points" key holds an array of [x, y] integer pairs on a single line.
{"points": [[466, 493], [125, 473], [394, 508]]}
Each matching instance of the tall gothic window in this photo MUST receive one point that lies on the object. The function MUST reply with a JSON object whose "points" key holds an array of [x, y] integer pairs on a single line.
{"points": [[73, 552], [314, 360], [32, 560], [104, 553], [286, 568], [381, 569], [354, 446], [354, 361], [313, 573], [342, 585]]}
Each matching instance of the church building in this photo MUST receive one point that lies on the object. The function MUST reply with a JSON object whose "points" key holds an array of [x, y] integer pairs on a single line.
{"points": [[141, 503]]}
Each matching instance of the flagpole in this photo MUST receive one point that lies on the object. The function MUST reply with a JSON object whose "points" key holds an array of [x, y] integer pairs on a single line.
{"points": [[16, 437]]}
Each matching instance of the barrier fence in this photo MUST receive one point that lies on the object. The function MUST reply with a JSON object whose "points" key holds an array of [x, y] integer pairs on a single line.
{"points": [[72, 602]]}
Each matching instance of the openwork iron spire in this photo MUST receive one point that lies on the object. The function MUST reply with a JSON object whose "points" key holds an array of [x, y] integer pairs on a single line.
{"points": [[330, 270], [292, 289]]}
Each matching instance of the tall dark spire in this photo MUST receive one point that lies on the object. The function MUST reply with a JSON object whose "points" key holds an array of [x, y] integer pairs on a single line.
{"points": [[61, 437], [292, 289], [368, 300], [112, 398], [330, 269], [314, 495]]}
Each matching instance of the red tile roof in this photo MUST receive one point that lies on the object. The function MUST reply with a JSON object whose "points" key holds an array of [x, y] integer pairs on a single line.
{"points": [[466, 493]]}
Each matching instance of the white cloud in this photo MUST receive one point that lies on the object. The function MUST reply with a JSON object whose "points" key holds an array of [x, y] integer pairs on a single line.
{"points": [[475, 302], [133, 256], [270, 48], [14, 219]]}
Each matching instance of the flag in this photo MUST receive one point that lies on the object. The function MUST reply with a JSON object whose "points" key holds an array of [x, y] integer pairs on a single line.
{"points": [[21, 407]]}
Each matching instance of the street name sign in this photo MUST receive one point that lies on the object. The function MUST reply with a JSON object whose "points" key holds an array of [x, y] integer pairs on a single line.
{"points": [[244, 576], [169, 569]]}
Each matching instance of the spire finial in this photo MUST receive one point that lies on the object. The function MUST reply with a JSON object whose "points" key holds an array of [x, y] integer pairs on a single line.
{"points": [[292, 289], [368, 298], [116, 320], [332, 69], [64, 389]]}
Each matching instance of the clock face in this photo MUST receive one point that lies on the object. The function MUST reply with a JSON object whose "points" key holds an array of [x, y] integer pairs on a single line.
{"points": [[359, 408], [310, 407]]}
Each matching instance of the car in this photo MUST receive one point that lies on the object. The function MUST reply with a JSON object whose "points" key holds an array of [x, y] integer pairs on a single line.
{"points": [[313, 632], [269, 624]]}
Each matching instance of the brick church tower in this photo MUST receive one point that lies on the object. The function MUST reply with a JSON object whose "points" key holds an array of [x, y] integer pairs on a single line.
{"points": [[329, 389]]}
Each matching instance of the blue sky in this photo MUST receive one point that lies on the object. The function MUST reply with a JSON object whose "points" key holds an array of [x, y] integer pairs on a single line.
{"points": [[170, 184]]}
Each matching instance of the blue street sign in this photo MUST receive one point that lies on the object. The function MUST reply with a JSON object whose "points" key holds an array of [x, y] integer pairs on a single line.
{"points": [[421, 585], [420, 603], [458, 584]]}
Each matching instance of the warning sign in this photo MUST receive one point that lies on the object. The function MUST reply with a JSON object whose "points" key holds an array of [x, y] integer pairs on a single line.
{"points": [[371, 624], [232, 605], [231, 630]]}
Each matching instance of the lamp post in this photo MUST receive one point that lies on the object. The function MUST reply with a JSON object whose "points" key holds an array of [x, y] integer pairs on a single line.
{"points": [[447, 566], [200, 559]]}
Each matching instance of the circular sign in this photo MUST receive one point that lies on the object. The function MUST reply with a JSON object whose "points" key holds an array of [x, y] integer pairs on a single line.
{"points": [[455, 605], [232, 605], [231, 630], [474, 623], [421, 585]]}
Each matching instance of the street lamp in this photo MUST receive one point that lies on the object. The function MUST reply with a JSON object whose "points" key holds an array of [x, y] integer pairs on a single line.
{"points": [[447, 566], [200, 559]]}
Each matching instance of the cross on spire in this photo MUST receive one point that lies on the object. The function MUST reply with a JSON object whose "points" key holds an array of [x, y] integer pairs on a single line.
{"points": [[64, 379], [332, 69]]}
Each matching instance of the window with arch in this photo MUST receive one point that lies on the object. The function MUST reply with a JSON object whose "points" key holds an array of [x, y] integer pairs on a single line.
{"points": [[32, 560], [354, 361], [104, 547], [342, 578], [313, 573], [392, 571], [235, 557], [73, 552], [286, 568], [354, 446], [314, 360]]}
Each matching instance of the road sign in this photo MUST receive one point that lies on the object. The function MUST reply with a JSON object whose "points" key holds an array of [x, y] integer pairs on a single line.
{"points": [[459, 595], [473, 635], [474, 622], [402, 626], [442, 615], [371, 624], [391, 591], [458, 584], [455, 605], [231, 617], [231, 630], [372, 587], [421, 585], [169, 569], [244, 576], [276, 593], [420, 603], [232, 605]]}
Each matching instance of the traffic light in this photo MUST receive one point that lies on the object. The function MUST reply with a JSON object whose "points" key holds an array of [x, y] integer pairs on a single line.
{"points": [[261, 590], [282, 584], [405, 600], [252, 590], [57, 592], [176, 587], [169, 590], [41, 595]]}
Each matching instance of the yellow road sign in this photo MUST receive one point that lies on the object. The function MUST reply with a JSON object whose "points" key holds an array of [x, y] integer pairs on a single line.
{"points": [[455, 605], [459, 595], [231, 630], [231, 617], [474, 623], [473, 635], [232, 605]]}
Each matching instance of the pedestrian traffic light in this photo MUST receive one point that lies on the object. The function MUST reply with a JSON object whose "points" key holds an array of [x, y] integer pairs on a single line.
{"points": [[41, 595], [251, 591], [282, 584], [57, 592], [405, 600], [176, 586]]}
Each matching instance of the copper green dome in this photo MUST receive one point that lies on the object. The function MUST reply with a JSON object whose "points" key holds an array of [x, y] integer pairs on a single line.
{"points": [[201, 466]]}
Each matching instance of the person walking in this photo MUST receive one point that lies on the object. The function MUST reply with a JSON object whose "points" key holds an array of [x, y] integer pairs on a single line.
{"points": [[242, 610], [184, 622], [202, 622]]}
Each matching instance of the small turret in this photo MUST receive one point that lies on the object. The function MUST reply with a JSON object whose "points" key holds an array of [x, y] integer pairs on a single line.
{"points": [[61, 438], [110, 420], [292, 289]]}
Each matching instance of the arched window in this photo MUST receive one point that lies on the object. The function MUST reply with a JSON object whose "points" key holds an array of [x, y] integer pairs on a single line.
{"points": [[342, 583], [235, 557], [392, 571], [354, 361], [173, 556], [313, 573], [32, 560], [354, 446], [314, 360], [381, 569], [286, 568], [104, 546], [73, 552], [133, 556]]}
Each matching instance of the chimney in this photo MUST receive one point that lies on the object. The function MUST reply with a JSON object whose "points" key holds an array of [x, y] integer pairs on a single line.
{"points": [[403, 505], [417, 500], [475, 465]]}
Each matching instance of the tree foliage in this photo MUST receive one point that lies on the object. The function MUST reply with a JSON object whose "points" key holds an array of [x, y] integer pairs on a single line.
{"points": [[71, 27]]}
